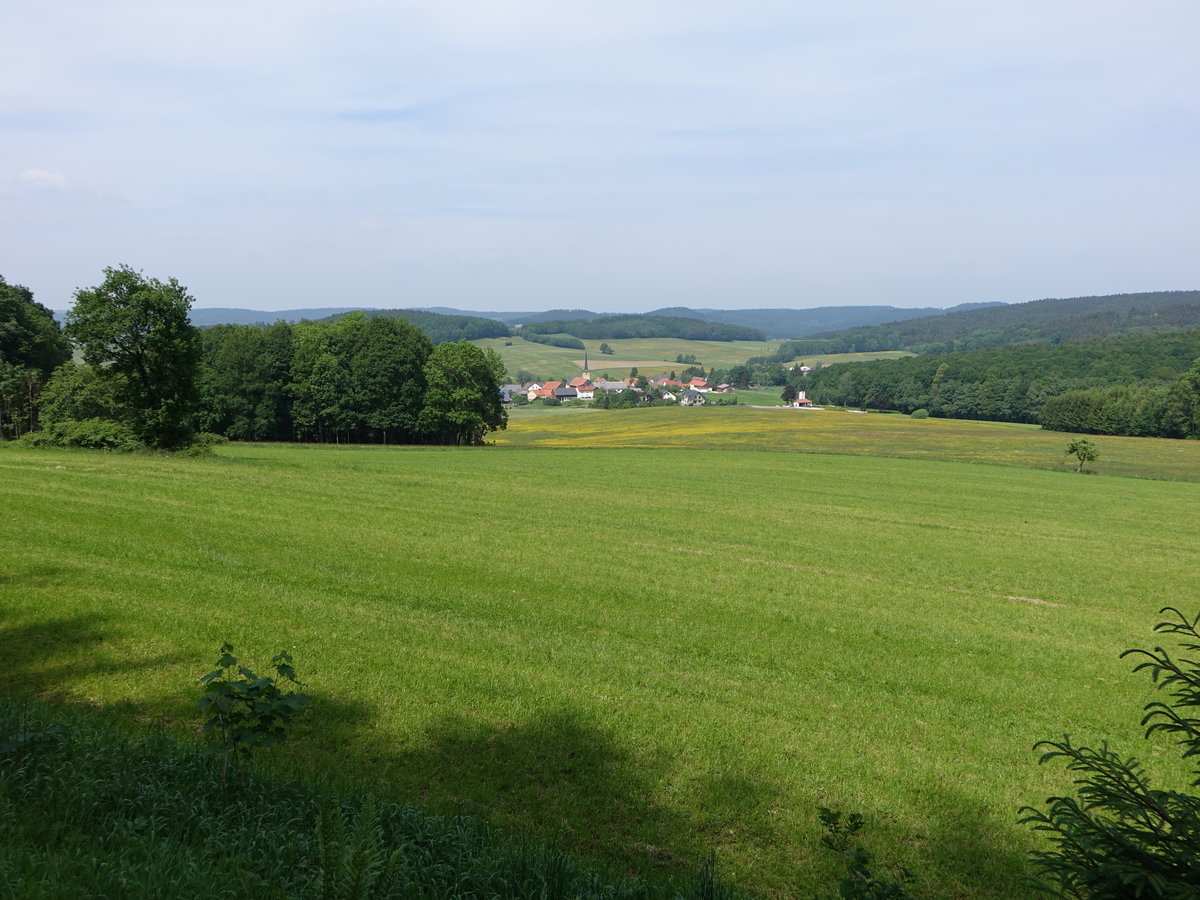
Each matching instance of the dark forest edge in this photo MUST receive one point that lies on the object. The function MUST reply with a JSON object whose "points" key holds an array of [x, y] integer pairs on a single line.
{"points": [[149, 378], [1142, 385], [624, 327]]}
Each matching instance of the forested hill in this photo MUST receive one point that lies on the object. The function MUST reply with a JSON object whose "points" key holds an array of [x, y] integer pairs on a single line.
{"points": [[1007, 383], [440, 328], [775, 323], [1054, 320], [798, 323], [203, 317], [636, 326], [518, 318], [443, 329]]}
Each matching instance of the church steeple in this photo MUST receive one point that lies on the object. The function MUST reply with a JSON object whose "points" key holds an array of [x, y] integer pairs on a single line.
{"points": [[586, 373]]}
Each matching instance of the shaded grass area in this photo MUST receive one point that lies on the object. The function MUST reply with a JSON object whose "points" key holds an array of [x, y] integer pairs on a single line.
{"points": [[845, 432], [147, 816], [642, 656]]}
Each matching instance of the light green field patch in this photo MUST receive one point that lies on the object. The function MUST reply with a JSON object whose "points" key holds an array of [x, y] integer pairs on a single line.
{"points": [[847, 432], [636, 652], [651, 356]]}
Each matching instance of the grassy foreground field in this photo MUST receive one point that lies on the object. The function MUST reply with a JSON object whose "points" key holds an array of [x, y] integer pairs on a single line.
{"points": [[643, 654]]}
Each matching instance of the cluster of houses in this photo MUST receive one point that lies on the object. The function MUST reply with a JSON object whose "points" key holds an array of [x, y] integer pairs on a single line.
{"points": [[582, 387]]}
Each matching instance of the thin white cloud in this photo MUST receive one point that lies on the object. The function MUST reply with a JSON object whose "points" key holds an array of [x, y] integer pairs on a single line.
{"points": [[42, 178]]}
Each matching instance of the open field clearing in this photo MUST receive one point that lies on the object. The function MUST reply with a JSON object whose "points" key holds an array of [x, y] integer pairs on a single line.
{"points": [[652, 356], [642, 654], [837, 431]]}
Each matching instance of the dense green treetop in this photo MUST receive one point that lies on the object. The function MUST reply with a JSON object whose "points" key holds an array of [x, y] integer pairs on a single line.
{"points": [[77, 392], [29, 335], [638, 326], [135, 331], [354, 379], [463, 402], [553, 340], [441, 329], [1137, 410], [361, 376], [244, 373]]}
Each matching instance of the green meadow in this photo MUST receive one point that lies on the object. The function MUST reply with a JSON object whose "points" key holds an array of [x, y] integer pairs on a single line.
{"points": [[642, 635], [839, 432], [651, 356]]}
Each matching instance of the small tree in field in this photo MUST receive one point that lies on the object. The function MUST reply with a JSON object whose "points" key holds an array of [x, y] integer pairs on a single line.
{"points": [[1083, 450], [247, 711], [1119, 837]]}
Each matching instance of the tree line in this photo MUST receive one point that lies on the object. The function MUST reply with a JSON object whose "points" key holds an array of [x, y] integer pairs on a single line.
{"points": [[444, 329], [148, 377], [1013, 384], [32, 346], [355, 379], [1139, 410], [553, 340], [641, 326]]}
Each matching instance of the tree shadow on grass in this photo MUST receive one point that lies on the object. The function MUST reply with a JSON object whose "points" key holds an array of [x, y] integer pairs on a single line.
{"points": [[960, 853], [35, 577], [556, 776], [561, 778], [49, 658]]}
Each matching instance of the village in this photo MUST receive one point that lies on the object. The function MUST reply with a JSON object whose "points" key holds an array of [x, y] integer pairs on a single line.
{"points": [[657, 388]]}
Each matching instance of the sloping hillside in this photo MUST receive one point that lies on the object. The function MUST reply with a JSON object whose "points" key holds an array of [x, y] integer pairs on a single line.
{"points": [[1054, 320], [798, 323]]}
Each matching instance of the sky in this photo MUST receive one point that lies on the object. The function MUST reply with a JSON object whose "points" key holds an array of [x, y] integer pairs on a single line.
{"points": [[614, 156]]}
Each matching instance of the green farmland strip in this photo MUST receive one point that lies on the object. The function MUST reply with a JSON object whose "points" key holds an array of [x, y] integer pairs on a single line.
{"points": [[651, 356], [841, 432]]}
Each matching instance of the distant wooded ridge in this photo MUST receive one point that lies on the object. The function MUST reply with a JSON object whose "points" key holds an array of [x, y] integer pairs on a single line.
{"points": [[841, 329], [1054, 320], [774, 323], [644, 326]]}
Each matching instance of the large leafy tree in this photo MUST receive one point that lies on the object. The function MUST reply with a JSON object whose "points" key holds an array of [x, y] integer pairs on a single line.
{"points": [[321, 390], [31, 346], [462, 401], [388, 375], [135, 330], [29, 336], [244, 374]]}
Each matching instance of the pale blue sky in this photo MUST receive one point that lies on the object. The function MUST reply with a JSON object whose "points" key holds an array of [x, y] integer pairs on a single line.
{"points": [[611, 155]]}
